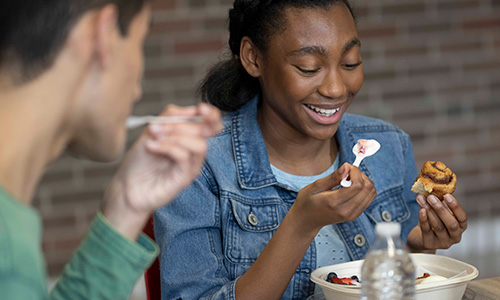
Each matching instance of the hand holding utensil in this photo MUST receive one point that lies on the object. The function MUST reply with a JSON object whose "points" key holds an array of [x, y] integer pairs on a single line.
{"points": [[362, 149]]}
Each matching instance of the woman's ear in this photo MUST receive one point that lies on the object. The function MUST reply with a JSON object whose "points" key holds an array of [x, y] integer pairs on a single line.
{"points": [[250, 57], [107, 32]]}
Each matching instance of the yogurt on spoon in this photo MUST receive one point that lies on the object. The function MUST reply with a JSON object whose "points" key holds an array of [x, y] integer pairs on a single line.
{"points": [[362, 149]]}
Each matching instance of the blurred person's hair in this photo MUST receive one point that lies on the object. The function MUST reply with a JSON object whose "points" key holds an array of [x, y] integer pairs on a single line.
{"points": [[32, 32]]}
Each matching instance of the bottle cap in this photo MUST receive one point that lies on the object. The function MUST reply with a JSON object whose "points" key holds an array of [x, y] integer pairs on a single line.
{"points": [[388, 229]]}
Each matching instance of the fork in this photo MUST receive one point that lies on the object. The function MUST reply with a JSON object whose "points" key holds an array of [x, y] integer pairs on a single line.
{"points": [[137, 121]]}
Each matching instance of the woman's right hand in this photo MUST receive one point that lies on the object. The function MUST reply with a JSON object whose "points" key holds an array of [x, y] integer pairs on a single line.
{"points": [[317, 205]]}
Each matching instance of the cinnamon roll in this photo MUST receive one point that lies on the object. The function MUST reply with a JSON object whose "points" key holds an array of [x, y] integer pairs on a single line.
{"points": [[435, 179]]}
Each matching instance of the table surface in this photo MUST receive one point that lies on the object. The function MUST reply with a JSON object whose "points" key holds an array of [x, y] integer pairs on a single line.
{"points": [[483, 289]]}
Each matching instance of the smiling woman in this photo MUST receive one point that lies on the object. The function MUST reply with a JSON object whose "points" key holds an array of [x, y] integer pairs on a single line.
{"points": [[264, 214]]}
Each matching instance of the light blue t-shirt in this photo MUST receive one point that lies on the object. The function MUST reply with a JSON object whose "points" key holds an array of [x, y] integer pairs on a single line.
{"points": [[329, 245]]}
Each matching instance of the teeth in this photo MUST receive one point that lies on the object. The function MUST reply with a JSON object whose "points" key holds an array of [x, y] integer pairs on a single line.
{"points": [[323, 112]]}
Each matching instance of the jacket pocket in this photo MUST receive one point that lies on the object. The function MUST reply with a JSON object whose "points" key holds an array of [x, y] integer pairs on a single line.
{"points": [[389, 206], [250, 227]]}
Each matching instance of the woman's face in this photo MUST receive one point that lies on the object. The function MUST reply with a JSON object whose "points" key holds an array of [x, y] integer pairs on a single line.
{"points": [[311, 71]]}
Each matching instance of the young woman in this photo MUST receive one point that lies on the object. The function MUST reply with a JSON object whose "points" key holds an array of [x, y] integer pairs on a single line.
{"points": [[266, 210]]}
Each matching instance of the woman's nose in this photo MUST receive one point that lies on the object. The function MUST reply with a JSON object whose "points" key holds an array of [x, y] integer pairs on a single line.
{"points": [[332, 85]]}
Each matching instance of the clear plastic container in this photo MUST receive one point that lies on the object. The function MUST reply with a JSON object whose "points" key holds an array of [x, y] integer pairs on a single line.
{"points": [[388, 272]]}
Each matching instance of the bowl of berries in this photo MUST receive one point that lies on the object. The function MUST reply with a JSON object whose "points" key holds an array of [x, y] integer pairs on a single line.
{"points": [[437, 277]]}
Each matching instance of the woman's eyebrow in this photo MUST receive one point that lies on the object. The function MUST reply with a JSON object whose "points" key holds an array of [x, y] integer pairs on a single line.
{"points": [[319, 50], [349, 45], [309, 50]]}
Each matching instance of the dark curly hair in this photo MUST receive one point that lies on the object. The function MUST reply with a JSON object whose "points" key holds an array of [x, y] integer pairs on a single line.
{"points": [[227, 85], [32, 32]]}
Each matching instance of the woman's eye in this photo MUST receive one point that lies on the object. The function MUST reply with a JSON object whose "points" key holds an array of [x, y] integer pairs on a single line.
{"points": [[307, 71], [352, 66]]}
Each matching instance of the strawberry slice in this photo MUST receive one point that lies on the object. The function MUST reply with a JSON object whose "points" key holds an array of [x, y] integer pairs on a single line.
{"points": [[348, 281], [337, 280]]}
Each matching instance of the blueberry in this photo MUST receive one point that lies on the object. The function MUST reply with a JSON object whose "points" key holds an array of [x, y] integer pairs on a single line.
{"points": [[331, 275], [355, 278]]}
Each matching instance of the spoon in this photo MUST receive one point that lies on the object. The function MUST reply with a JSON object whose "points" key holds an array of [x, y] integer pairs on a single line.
{"points": [[137, 121], [362, 149]]}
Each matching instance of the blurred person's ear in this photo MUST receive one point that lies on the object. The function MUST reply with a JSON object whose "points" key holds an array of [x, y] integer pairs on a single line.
{"points": [[107, 33]]}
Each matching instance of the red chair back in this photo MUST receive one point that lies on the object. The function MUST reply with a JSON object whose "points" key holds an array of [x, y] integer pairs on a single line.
{"points": [[152, 274]]}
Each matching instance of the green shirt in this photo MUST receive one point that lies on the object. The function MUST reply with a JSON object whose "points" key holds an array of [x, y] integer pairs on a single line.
{"points": [[106, 266]]}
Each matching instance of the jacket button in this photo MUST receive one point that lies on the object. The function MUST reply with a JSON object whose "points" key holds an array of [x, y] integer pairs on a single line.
{"points": [[386, 216], [359, 240], [252, 219]]}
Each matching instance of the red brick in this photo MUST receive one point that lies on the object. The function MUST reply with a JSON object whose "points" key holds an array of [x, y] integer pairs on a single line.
{"points": [[406, 51], [428, 71], [164, 4], [483, 23], [361, 12], [491, 107], [420, 113], [466, 88], [169, 72], [70, 244], [430, 27], [193, 47], [58, 221], [171, 26], [197, 3], [64, 175], [441, 154], [152, 50], [380, 75], [400, 9], [77, 197], [447, 6], [102, 171], [460, 46], [398, 95], [377, 32], [216, 23], [493, 65], [458, 132]]}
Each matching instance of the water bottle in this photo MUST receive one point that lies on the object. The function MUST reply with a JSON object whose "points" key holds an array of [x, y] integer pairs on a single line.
{"points": [[388, 272]]}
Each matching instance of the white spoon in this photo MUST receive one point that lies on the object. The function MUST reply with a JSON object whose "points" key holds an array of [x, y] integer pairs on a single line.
{"points": [[136, 121], [362, 149]]}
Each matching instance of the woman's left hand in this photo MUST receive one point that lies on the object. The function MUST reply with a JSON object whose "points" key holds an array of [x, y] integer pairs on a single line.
{"points": [[441, 224]]}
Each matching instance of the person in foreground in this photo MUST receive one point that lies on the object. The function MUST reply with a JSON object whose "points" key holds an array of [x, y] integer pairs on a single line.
{"points": [[262, 215], [69, 75]]}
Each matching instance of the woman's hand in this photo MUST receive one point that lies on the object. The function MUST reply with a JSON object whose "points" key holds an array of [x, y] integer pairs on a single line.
{"points": [[441, 224], [317, 205], [164, 160]]}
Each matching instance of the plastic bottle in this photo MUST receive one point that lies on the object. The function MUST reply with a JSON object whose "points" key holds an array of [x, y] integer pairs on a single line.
{"points": [[388, 272]]}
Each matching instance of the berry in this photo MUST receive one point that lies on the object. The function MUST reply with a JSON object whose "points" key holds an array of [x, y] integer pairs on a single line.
{"points": [[355, 278], [330, 275]]}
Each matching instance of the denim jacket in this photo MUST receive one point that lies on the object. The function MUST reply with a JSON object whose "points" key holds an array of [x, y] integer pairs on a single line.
{"points": [[215, 229]]}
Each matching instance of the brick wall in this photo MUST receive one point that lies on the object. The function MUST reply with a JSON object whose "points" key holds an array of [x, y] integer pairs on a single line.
{"points": [[431, 66]]}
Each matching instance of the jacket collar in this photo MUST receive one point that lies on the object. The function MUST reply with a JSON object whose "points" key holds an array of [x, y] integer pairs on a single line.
{"points": [[249, 150]]}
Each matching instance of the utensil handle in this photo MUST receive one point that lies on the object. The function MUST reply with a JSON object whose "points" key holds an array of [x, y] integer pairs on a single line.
{"points": [[358, 161], [136, 121], [345, 182]]}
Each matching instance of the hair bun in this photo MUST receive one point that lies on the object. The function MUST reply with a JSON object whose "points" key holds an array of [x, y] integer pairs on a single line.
{"points": [[242, 12]]}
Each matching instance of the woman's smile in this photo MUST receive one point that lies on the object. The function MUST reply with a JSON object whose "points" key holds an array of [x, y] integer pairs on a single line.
{"points": [[324, 114]]}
